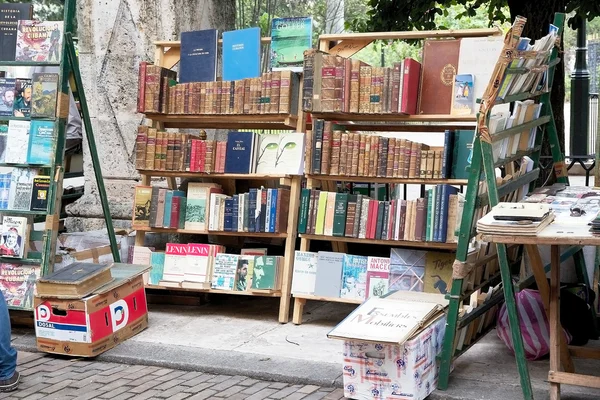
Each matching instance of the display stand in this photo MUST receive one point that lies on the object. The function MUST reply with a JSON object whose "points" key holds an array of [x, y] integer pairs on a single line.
{"points": [[69, 79], [167, 55], [483, 167]]}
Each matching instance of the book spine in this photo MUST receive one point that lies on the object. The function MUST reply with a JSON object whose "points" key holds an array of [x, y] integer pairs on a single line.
{"points": [[318, 143], [354, 86], [141, 143], [339, 85], [357, 218], [141, 99], [350, 219], [308, 73], [303, 213]]}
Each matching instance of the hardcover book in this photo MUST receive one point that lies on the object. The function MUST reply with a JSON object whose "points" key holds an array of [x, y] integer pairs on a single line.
{"points": [[43, 98], [39, 195], [39, 40], [22, 103], [354, 277], [240, 149], [77, 280], [290, 37], [17, 283], [440, 64], [41, 143], [461, 153], [10, 15], [305, 272], [197, 207], [14, 236], [241, 54], [157, 263], [198, 56], [7, 92]]}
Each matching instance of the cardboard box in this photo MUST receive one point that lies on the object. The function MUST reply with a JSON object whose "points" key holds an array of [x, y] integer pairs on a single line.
{"points": [[88, 327], [390, 347]]}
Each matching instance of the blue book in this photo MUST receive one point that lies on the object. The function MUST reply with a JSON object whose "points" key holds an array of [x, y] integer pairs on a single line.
{"points": [[354, 277], [239, 156], [241, 54], [168, 204], [252, 210], [157, 262], [447, 190], [437, 216], [41, 142], [228, 215], [273, 210], [198, 56], [236, 204]]}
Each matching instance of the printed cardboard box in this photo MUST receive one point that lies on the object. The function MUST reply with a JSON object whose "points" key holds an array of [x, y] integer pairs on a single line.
{"points": [[390, 348], [88, 327]]}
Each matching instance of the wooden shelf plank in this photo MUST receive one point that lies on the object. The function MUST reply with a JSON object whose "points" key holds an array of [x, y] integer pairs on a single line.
{"points": [[456, 33], [227, 121], [216, 233], [177, 43], [440, 118], [403, 243], [262, 293], [372, 179], [330, 299], [517, 156], [184, 174]]}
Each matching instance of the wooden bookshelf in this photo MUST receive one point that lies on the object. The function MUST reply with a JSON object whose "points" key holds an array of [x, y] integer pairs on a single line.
{"points": [[373, 179], [167, 54], [395, 243], [329, 299]]}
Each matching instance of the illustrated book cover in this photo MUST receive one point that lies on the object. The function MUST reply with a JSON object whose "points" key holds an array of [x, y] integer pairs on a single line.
{"points": [[290, 37], [41, 143], [39, 40], [14, 236], [7, 94], [43, 98], [17, 284]]}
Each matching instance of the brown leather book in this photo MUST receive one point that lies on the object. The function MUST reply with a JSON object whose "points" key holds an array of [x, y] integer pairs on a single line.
{"points": [[440, 64], [328, 84], [362, 147], [326, 148], [420, 218], [354, 85], [334, 167], [339, 84], [390, 158]]}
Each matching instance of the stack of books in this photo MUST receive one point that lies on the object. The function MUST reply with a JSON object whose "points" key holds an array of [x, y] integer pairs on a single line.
{"points": [[516, 219]]}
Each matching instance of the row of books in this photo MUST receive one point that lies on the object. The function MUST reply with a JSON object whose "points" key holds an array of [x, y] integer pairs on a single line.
{"points": [[337, 84], [27, 142], [205, 208], [242, 153], [206, 266], [523, 112], [434, 218], [23, 189], [29, 97], [335, 152], [273, 93], [329, 274]]}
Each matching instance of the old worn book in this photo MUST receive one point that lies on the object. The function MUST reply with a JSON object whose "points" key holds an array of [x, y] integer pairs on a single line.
{"points": [[354, 85], [440, 65], [328, 84], [74, 281]]}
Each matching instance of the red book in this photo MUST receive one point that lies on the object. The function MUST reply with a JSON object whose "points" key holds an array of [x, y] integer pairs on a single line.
{"points": [[175, 209], [141, 99], [194, 155], [390, 227], [202, 156], [410, 86], [372, 218]]}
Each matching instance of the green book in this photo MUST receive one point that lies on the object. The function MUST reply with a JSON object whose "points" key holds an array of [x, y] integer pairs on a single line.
{"points": [[429, 214], [321, 209], [264, 275], [304, 206], [339, 215], [461, 153]]}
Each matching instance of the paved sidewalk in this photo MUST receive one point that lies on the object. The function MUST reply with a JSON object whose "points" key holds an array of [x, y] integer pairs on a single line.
{"points": [[49, 377]]}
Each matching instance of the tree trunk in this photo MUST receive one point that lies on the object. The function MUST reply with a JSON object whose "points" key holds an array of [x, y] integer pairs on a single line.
{"points": [[540, 14]]}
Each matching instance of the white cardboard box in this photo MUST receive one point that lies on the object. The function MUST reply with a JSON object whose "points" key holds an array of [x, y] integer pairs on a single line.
{"points": [[393, 367]]}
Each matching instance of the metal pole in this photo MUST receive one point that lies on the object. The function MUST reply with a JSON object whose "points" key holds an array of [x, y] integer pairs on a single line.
{"points": [[580, 91]]}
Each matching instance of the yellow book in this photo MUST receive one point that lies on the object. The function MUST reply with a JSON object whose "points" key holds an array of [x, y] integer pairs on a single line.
{"points": [[321, 209], [329, 213], [438, 272]]}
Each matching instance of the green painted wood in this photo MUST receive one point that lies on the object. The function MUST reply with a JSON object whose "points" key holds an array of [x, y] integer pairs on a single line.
{"points": [[92, 147], [30, 63]]}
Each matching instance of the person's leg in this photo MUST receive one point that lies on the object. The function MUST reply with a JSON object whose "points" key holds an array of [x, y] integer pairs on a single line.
{"points": [[8, 355]]}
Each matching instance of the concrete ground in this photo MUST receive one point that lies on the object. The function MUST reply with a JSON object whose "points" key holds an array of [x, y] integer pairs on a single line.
{"points": [[241, 337]]}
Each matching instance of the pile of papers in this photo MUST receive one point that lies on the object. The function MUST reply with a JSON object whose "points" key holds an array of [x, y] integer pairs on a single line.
{"points": [[516, 219]]}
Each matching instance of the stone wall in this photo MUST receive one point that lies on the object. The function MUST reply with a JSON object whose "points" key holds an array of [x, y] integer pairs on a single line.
{"points": [[114, 36]]}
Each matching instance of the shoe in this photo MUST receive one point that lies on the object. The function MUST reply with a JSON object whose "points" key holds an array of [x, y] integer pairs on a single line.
{"points": [[10, 384]]}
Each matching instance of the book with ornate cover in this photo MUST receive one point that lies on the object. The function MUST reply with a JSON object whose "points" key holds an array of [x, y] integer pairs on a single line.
{"points": [[10, 15], [328, 93], [43, 98], [378, 273], [39, 196], [39, 40], [440, 65], [224, 271], [76, 280], [354, 277]]}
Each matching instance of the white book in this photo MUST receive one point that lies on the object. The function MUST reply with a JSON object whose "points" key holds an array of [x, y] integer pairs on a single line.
{"points": [[141, 255], [14, 236], [21, 188], [241, 212], [533, 134], [267, 154], [224, 271], [175, 261], [17, 142], [290, 154], [198, 263]]}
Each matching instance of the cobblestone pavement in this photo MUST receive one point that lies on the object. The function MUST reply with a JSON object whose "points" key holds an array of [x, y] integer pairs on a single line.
{"points": [[47, 377]]}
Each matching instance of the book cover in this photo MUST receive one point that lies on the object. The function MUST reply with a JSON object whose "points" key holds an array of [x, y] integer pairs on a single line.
{"points": [[157, 263], [290, 153], [290, 37], [39, 40], [244, 272], [440, 63], [7, 91], [198, 262], [141, 207], [438, 272], [3, 141], [17, 142], [10, 15], [21, 188], [5, 179], [14, 236], [328, 281], [224, 271], [17, 284], [407, 269], [462, 95], [241, 54], [198, 56], [238, 159], [22, 102], [265, 273], [175, 262], [305, 272], [43, 97], [268, 150], [354, 277], [461, 153], [39, 195], [41, 143], [378, 275]]}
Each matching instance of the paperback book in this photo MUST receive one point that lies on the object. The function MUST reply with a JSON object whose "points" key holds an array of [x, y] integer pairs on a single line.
{"points": [[10, 15], [43, 99], [290, 37], [17, 284], [41, 143], [241, 54], [7, 95], [39, 41], [14, 234], [22, 102]]}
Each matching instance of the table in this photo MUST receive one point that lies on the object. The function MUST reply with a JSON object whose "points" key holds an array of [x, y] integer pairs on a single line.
{"points": [[556, 235]]}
